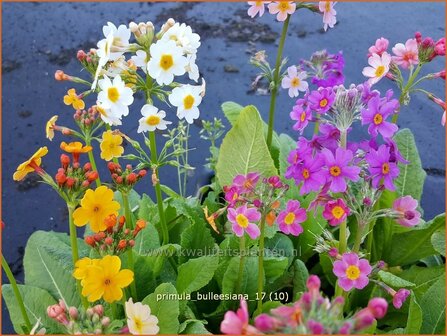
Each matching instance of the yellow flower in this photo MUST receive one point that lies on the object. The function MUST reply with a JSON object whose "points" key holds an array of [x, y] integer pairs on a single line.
{"points": [[72, 99], [106, 280], [96, 207], [49, 128], [82, 267], [30, 165], [110, 146]]}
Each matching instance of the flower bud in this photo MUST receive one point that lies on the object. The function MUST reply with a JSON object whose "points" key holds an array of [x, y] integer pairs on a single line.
{"points": [[131, 243], [87, 167], [89, 312], [378, 307], [73, 312], [99, 309], [122, 244], [92, 176], [89, 240], [70, 182], [131, 178], [119, 180], [60, 178], [105, 321], [363, 319], [265, 323], [108, 241], [65, 161], [81, 55], [85, 184]]}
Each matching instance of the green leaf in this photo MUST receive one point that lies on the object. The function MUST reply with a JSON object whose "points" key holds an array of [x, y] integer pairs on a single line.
{"points": [[134, 201], [274, 267], [196, 273], [438, 241], [412, 176], [195, 328], [411, 246], [231, 111], [168, 191], [144, 276], [165, 305], [281, 245], [286, 145], [393, 280], [433, 308], [300, 275], [36, 301], [48, 264], [414, 320], [244, 149]]}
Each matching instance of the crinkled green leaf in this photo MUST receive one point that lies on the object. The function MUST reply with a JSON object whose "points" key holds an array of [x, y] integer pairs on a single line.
{"points": [[196, 273], [433, 308], [300, 275], [394, 281], [414, 321], [438, 241]]}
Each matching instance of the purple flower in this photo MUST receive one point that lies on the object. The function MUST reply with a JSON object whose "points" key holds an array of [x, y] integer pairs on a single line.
{"points": [[289, 220], [316, 328], [335, 212], [400, 297], [378, 307], [406, 209], [231, 194], [381, 168], [297, 156], [328, 68], [329, 136], [338, 169], [352, 272], [302, 114], [375, 115], [395, 155], [311, 174], [242, 219], [321, 100], [246, 183], [266, 323]]}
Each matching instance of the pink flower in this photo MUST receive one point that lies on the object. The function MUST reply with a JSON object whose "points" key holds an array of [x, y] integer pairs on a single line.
{"points": [[266, 323], [237, 323], [302, 114], [321, 100], [443, 119], [231, 194], [282, 8], [338, 169], [310, 173], [400, 297], [291, 315], [335, 212], [257, 7], [379, 67], [289, 220], [242, 219], [294, 81], [329, 13], [352, 272], [376, 113], [378, 307], [382, 170], [440, 47], [379, 47], [407, 54], [406, 208], [246, 183]]}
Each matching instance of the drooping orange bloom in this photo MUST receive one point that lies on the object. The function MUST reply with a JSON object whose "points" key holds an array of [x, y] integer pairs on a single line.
{"points": [[30, 165], [75, 148]]}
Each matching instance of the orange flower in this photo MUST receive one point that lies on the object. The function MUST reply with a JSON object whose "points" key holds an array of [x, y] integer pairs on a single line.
{"points": [[30, 165], [72, 99], [75, 148]]}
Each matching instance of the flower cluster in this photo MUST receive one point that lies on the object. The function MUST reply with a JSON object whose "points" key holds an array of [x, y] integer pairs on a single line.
{"points": [[102, 278], [116, 239], [326, 70], [311, 314], [125, 179], [89, 321]]}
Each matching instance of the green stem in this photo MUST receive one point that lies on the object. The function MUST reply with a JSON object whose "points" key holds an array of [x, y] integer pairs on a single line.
{"points": [[114, 310], [161, 212], [17, 294], [127, 211], [370, 238], [261, 265], [74, 249], [133, 287], [185, 164], [358, 237], [91, 158], [241, 263], [276, 81]]}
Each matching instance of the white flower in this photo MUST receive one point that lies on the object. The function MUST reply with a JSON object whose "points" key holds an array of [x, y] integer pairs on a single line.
{"points": [[294, 81], [379, 67], [116, 67], [107, 116], [140, 59], [120, 41], [103, 52], [166, 61], [183, 36], [186, 98], [139, 319], [192, 68], [152, 119], [115, 96]]}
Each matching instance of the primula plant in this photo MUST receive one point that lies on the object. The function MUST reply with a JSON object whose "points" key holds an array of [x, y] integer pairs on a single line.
{"points": [[293, 234]]}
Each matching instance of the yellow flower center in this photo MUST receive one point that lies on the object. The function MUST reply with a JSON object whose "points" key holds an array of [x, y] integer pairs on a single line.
{"points": [[380, 70], [385, 168], [338, 212], [138, 324], [327, 6], [378, 119], [352, 272], [166, 62], [96, 209], [335, 171], [153, 120], [303, 116], [323, 102], [107, 282], [259, 3], [242, 220], [235, 196], [113, 94], [295, 82], [101, 110], [290, 218], [188, 102], [283, 6], [306, 173]]}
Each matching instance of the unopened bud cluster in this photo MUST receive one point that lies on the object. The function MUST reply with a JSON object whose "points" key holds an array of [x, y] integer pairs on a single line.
{"points": [[88, 60], [125, 179], [72, 178], [87, 119], [116, 239]]}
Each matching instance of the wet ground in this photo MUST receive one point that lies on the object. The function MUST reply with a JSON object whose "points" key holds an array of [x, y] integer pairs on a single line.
{"points": [[39, 38]]}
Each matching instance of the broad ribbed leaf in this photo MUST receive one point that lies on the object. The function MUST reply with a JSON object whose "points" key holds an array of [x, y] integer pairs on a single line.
{"points": [[196, 273]]}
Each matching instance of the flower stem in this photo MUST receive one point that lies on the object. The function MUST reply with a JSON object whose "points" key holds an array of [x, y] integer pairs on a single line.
{"points": [[88, 142], [161, 212], [261, 265], [74, 249], [127, 211], [276, 81], [17, 294], [133, 287], [241, 263]]}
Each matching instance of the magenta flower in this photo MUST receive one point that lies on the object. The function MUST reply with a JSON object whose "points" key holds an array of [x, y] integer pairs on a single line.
{"points": [[400, 297], [302, 115], [379, 47], [329, 136], [290, 315], [256, 7], [311, 174], [335, 212], [381, 168], [316, 328], [231, 194], [352, 272], [338, 168], [378, 307], [246, 183], [237, 323], [242, 219], [321, 100], [289, 220], [375, 115], [406, 208], [328, 68], [266, 323], [407, 54]]}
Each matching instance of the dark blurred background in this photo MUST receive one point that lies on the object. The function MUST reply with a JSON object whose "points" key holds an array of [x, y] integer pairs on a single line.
{"points": [[39, 38]]}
